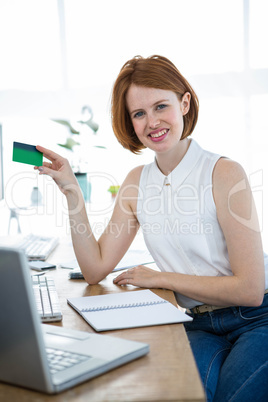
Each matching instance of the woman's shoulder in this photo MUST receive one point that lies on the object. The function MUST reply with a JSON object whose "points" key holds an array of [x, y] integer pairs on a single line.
{"points": [[131, 182], [134, 175], [228, 178], [228, 171], [128, 193]]}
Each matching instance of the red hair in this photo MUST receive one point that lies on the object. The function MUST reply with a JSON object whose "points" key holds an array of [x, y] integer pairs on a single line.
{"points": [[153, 72]]}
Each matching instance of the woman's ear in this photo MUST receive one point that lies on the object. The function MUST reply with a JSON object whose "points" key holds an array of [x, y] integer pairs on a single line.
{"points": [[185, 103]]}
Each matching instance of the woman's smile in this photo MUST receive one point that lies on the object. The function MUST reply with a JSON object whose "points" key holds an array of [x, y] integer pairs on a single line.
{"points": [[159, 135]]}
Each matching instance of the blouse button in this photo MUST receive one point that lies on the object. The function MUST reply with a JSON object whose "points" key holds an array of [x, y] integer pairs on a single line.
{"points": [[166, 182]]}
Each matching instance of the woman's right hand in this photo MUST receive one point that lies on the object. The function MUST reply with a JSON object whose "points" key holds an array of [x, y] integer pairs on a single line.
{"points": [[59, 169]]}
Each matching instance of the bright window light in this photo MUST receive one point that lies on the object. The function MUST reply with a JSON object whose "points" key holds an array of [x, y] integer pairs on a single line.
{"points": [[198, 36], [258, 34], [29, 45]]}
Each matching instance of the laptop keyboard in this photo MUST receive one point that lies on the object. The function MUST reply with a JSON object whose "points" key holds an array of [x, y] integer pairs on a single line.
{"points": [[59, 360], [46, 298], [38, 247]]}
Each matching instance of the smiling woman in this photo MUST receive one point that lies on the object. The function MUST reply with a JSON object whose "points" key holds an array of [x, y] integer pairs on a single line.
{"points": [[58, 56]]}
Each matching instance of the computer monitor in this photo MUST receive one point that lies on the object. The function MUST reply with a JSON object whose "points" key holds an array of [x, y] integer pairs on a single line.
{"points": [[1, 167]]}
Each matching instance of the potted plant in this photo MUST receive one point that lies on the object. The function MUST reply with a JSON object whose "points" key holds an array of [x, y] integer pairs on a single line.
{"points": [[113, 190]]}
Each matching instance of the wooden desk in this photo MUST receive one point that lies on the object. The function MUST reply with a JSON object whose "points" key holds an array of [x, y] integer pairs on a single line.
{"points": [[167, 373]]}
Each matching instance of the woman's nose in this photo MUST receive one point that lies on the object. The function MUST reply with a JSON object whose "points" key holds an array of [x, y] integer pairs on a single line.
{"points": [[153, 121]]}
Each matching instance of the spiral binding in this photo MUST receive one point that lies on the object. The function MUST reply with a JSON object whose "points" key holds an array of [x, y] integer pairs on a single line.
{"points": [[120, 306]]}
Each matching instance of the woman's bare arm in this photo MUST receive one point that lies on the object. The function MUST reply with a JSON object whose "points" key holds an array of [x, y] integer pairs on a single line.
{"points": [[96, 258]]}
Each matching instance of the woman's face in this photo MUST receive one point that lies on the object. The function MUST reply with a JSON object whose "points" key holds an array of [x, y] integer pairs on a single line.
{"points": [[157, 116]]}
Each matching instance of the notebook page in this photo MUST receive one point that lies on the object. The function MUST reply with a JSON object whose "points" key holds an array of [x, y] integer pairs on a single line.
{"points": [[127, 310]]}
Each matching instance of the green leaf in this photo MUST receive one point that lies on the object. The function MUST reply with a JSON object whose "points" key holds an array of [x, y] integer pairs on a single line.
{"points": [[69, 144], [67, 124]]}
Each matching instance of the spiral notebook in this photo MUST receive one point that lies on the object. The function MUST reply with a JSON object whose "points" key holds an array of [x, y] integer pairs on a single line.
{"points": [[132, 309]]}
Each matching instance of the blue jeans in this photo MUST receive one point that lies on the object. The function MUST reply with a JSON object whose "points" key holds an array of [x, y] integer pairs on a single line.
{"points": [[230, 347]]}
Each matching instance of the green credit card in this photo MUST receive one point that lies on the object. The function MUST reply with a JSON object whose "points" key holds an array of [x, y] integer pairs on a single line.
{"points": [[25, 153]]}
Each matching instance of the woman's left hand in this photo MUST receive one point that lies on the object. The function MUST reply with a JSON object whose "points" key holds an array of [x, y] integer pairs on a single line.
{"points": [[141, 276]]}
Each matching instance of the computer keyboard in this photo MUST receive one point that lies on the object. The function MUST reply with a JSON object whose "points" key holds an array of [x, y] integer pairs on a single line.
{"points": [[46, 298], [38, 247], [59, 360]]}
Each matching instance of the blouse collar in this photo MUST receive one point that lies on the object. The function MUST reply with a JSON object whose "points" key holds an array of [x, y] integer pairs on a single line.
{"points": [[177, 176]]}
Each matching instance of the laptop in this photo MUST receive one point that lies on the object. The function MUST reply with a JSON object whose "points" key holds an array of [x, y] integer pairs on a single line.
{"points": [[27, 347]]}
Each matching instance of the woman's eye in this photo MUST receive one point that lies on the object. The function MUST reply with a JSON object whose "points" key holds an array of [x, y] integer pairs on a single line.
{"points": [[138, 114], [162, 106]]}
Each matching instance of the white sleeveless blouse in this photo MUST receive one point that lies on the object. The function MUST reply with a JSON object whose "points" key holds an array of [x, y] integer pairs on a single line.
{"points": [[178, 218]]}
